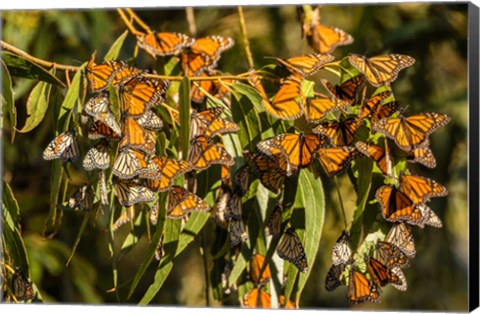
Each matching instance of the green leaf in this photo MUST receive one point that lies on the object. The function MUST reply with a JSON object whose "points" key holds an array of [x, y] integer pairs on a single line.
{"points": [[53, 216], [184, 101], [79, 236], [74, 97], [114, 50], [12, 213], [20, 67], [194, 225], [8, 99], [37, 104]]}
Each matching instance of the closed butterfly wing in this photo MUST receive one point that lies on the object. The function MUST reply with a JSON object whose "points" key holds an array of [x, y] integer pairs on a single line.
{"points": [[258, 276], [341, 133], [381, 274], [420, 189], [345, 94], [324, 39], [391, 255], [163, 43], [109, 120], [22, 287], [287, 103], [82, 198], [207, 122], [150, 121], [333, 278], [335, 160], [402, 285], [290, 248], [396, 206], [373, 104], [257, 298], [99, 130], [271, 175], [63, 147], [306, 65], [241, 179], [411, 132], [166, 170], [97, 157], [423, 155], [315, 109], [377, 154], [130, 193], [382, 69], [97, 104], [274, 222], [204, 153], [234, 207], [238, 232], [429, 217], [153, 214], [341, 252], [134, 136], [182, 202], [401, 236], [360, 289]]}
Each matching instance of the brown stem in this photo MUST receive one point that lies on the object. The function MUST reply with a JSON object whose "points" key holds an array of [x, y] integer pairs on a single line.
{"points": [[245, 37], [139, 21], [127, 22], [47, 64], [191, 21]]}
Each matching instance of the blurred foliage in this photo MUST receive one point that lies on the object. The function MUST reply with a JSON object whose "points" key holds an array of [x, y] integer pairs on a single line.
{"points": [[434, 34]]}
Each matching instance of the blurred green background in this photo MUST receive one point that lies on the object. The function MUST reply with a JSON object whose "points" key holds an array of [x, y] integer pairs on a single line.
{"points": [[434, 34]]}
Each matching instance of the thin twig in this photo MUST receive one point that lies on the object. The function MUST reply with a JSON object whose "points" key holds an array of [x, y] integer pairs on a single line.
{"points": [[47, 64], [128, 23], [245, 37], [192, 27], [139, 20]]}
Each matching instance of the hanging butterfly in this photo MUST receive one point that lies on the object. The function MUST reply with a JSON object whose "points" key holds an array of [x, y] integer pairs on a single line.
{"points": [[150, 121], [63, 147], [341, 252], [339, 133], [108, 119], [411, 132], [160, 251], [287, 104], [391, 255], [99, 130], [110, 72], [234, 207], [360, 289], [130, 163], [420, 189], [272, 171], [381, 275], [181, 202], [22, 287], [257, 298], [274, 222], [140, 94], [96, 105], [204, 152], [335, 160], [135, 137], [423, 155], [377, 154], [163, 43], [399, 273], [207, 122], [220, 206], [306, 65], [429, 217], [333, 278], [238, 233], [345, 94], [290, 248], [127, 215], [160, 178], [130, 192], [396, 206], [375, 108], [316, 109], [382, 69], [401, 236], [241, 179], [298, 149], [259, 278], [153, 214], [82, 199]]}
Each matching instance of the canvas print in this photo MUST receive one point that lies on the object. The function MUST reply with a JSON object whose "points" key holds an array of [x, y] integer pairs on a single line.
{"points": [[301, 157]]}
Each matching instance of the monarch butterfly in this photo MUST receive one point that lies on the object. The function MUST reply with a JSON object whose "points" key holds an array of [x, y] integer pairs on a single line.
{"points": [[81, 199], [341, 252], [274, 221], [272, 174], [377, 154], [181, 202], [430, 218], [204, 153], [109, 120], [316, 109], [391, 255], [159, 251], [381, 274], [127, 215], [401, 236], [259, 278], [141, 93], [335, 160], [204, 55], [376, 108], [102, 182], [164, 171], [241, 179], [420, 189], [207, 122], [324, 39], [287, 104], [290, 248], [63, 147], [110, 72], [306, 65], [422, 154], [97, 104], [22, 287], [257, 298], [411, 132], [360, 289], [217, 88], [237, 232], [333, 278], [288, 305], [100, 130], [134, 136], [382, 69], [234, 207], [153, 214], [164, 43], [130, 163], [397, 206], [150, 121], [220, 206], [345, 93], [339, 133], [130, 192], [298, 149], [399, 273]]}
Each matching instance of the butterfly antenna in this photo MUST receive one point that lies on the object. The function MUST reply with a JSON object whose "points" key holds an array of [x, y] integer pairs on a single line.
{"points": [[341, 203]]}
